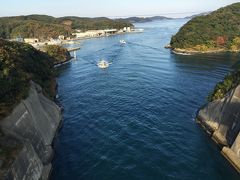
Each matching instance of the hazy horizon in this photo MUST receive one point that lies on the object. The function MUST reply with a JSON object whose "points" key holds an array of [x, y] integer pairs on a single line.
{"points": [[107, 8]]}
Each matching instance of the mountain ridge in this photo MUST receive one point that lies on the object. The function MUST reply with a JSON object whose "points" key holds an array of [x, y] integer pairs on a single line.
{"points": [[44, 26]]}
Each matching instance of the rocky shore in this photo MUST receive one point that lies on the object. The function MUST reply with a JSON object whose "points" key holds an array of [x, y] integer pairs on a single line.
{"points": [[221, 119], [26, 137], [192, 52]]}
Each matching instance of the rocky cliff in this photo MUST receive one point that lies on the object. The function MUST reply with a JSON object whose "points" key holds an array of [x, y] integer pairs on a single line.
{"points": [[26, 137], [221, 119]]}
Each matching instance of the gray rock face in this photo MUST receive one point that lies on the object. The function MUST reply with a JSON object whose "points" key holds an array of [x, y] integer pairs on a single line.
{"points": [[221, 119], [27, 165], [34, 122]]}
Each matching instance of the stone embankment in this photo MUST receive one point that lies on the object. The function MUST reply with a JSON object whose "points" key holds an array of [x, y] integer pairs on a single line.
{"points": [[26, 137], [221, 119]]}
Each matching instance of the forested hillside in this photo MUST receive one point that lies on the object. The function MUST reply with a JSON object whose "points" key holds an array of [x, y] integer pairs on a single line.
{"points": [[43, 27], [20, 63], [219, 30]]}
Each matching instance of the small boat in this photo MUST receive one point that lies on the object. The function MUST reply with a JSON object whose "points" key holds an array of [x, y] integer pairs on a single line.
{"points": [[103, 64], [122, 41]]}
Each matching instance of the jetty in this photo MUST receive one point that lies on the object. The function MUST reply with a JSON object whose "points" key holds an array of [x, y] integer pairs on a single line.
{"points": [[73, 49]]}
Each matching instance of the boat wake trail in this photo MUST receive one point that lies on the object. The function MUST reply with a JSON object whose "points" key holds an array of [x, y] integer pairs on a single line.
{"points": [[145, 46], [113, 56], [116, 51]]}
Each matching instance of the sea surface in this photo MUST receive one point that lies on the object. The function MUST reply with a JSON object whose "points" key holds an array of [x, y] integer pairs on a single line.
{"points": [[135, 120]]}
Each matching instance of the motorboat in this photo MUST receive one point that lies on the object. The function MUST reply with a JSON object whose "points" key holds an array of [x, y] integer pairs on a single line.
{"points": [[122, 41], [103, 64]]}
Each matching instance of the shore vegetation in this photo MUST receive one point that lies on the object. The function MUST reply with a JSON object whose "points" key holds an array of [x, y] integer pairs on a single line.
{"points": [[45, 27], [20, 63], [215, 32]]}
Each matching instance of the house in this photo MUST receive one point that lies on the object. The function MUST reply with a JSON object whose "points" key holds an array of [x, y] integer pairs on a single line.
{"points": [[54, 42], [110, 31], [31, 40], [90, 33], [61, 37], [78, 30], [127, 29]]}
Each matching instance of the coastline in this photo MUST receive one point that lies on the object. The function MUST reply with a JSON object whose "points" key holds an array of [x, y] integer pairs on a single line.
{"points": [[93, 37], [187, 52], [220, 120], [74, 40], [62, 63], [193, 52]]}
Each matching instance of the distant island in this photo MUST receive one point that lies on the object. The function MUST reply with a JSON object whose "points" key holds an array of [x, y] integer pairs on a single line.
{"points": [[215, 32], [196, 15], [143, 19]]}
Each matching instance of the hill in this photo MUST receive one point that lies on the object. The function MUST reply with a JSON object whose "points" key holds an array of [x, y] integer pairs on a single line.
{"points": [[143, 19], [217, 31], [196, 15], [43, 26]]}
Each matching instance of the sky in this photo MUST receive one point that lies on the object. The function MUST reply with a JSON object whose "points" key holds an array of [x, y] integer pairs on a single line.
{"points": [[110, 8]]}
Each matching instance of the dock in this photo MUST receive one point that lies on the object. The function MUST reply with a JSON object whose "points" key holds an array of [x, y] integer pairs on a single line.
{"points": [[73, 49]]}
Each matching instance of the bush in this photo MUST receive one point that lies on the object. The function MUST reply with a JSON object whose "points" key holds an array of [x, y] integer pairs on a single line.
{"points": [[216, 30], [20, 63], [235, 45], [222, 88], [43, 27], [58, 53]]}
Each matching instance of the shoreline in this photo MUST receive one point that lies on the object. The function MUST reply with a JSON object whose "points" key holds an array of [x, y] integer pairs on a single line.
{"points": [[210, 117], [225, 150], [86, 38], [187, 52], [116, 34], [74, 40], [192, 52], [62, 63]]}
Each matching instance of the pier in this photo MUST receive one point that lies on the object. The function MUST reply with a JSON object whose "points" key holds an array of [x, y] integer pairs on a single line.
{"points": [[73, 49]]}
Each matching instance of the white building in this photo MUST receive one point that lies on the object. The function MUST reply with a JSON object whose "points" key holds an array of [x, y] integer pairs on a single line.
{"points": [[110, 31], [127, 29], [31, 40], [90, 33], [61, 37], [54, 42]]}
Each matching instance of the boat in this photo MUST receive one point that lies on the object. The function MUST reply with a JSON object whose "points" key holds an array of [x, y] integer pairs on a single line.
{"points": [[138, 30], [122, 42], [103, 64]]}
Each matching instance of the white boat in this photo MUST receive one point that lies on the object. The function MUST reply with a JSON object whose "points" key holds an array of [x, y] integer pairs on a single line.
{"points": [[138, 30], [103, 64], [122, 41]]}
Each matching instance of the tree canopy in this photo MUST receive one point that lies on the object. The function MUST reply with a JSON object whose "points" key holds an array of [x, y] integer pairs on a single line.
{"points": [[217, 30], [20, 63], [43, 27]]}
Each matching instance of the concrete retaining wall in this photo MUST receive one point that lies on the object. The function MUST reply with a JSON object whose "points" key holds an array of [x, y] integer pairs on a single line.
{"points": [[221, 119], [34, 122]]}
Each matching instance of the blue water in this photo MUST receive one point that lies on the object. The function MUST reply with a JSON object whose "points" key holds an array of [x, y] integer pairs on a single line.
{"points": [[135, 120]]}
